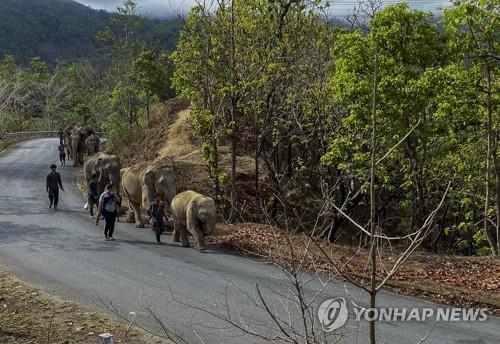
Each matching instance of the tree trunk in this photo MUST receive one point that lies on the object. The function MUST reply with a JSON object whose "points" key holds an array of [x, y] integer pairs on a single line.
{"points": [[373, 226], [148, 107], [492, 241], [232, 217]]}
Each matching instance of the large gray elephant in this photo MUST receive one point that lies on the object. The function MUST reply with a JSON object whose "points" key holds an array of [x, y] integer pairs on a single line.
{"points": [[106, 167], [141, 182], [195, 214], [93, 143], [78, 147]]}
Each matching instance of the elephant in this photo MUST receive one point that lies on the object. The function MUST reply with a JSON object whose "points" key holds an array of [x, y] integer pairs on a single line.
{"points": [[195, 213], [67, 146], [141, 182], [77, 144], [106, 167], [67, 133], [93, 143]]}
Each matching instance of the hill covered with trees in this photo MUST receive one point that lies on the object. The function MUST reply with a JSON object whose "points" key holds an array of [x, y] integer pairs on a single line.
{"points": [[64, 29]]}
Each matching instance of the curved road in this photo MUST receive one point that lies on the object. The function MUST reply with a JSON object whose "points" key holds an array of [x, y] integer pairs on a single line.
{"points": [[64, 253]]}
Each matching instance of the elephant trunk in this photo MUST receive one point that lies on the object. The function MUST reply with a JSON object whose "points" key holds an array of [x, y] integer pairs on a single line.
{"points": [[115, 180], [147, 196], [208, 227]]}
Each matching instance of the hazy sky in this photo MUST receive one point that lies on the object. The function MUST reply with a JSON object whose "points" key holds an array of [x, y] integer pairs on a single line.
{"points": [[163, 8]]}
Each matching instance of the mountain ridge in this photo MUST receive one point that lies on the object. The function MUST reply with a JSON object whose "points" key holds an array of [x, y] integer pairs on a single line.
{"points": [[63, 30]]}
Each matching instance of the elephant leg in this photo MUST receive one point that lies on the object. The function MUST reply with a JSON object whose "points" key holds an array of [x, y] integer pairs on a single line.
{"points": [[137, 214], [130, 218], [182, 233], [175, 233], [130, 212], [198, 237]]}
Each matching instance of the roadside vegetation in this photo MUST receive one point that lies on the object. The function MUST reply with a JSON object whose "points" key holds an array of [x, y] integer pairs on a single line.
{"points": [[371, 148], [30, 316]]}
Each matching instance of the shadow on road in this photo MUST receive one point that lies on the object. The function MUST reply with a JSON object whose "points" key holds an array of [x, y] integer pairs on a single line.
{"points": [[51, 238]]}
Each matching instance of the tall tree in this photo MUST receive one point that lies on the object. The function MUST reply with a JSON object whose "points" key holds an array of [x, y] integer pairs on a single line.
{"points": [[475, 30]]}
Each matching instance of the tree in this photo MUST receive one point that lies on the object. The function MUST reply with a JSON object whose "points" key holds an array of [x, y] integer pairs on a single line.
{"points": [[122, 35], [388, 130], [253, 88], [475, 31], [193, 78], [152, 72]]}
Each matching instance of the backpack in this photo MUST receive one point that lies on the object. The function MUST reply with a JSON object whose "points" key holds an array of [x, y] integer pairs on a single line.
{"points": [[109, 204]]}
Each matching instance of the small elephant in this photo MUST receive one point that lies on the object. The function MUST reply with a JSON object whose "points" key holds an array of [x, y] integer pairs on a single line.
{"points": [[193, 213], [106, 167], [141, 182], [93, 143]]}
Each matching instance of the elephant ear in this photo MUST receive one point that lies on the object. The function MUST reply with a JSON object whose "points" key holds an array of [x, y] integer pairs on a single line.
{"points": [[149, 178], [192, 214], [148, 181]]}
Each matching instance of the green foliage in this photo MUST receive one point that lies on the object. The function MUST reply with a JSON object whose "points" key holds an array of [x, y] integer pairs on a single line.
{"points": [[297, 94], [481, 242], [59, 30], [152, 73]]}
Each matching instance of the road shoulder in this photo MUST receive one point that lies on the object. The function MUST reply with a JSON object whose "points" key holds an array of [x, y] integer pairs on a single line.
{"points": [[29, 315]]}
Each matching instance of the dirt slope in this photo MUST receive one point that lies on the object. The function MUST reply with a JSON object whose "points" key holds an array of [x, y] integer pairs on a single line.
{"points": [[170, 139]]}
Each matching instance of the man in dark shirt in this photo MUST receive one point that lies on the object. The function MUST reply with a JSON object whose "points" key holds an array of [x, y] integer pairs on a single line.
{"points": [[93, 194], [158, 214], [52, 185]]}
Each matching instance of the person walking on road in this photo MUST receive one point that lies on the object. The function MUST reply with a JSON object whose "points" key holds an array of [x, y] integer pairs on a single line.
{"points": [[60, 133], [109, 210], [62, 155], [52, 185], [158, 214], [93, 194]]}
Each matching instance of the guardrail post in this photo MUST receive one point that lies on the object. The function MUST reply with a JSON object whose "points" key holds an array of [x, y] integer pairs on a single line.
{"points": [[106, 338]]}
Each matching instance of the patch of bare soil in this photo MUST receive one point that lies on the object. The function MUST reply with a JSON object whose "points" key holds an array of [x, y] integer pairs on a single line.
{"points": [[3, 145], [170, 139], [29, 316], [451, 280]]}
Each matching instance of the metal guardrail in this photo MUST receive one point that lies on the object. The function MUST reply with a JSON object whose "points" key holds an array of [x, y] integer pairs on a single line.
{"points": [[37, 134]]}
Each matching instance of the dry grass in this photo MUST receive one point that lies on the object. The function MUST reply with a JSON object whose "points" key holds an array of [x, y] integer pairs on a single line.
{"points": [[29, 316], [452, 280]]}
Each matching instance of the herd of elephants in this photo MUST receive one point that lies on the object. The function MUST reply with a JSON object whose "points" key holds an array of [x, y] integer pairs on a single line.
{"points": [[193, 213]]}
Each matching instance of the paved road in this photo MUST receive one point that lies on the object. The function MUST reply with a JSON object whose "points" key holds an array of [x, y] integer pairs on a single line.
{"points": [[65, 254]]}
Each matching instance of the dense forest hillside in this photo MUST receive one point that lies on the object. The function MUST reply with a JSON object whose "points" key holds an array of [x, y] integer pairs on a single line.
{"points": [[63, 29]]}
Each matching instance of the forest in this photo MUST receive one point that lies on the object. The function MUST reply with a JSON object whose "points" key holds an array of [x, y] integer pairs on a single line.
{"points": [[65, 30], [386, 126]]}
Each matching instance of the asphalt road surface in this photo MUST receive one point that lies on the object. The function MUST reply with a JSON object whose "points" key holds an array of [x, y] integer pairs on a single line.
{"points": [[65, 254]]}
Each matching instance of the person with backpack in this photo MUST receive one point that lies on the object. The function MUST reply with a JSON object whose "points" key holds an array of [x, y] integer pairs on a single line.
{"points": [[93, 194], [109, 210], [158, 214], [52, 184]]}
